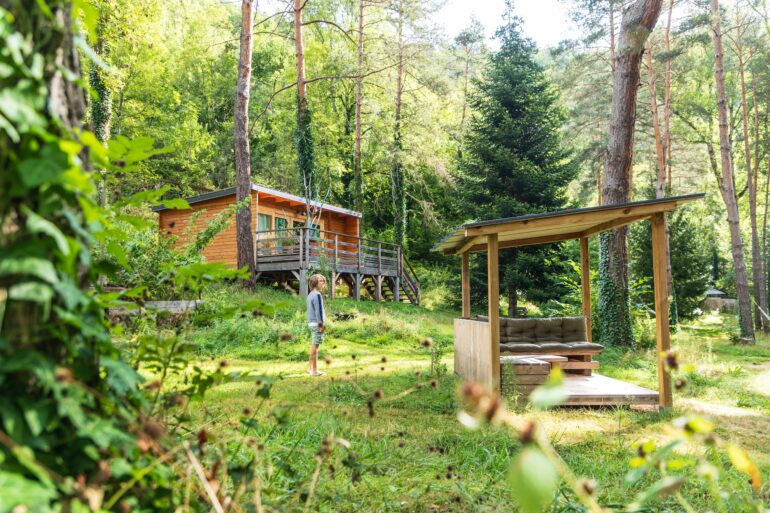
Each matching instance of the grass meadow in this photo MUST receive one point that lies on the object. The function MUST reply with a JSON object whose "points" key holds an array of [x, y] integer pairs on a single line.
{"points": [[395, 402]]}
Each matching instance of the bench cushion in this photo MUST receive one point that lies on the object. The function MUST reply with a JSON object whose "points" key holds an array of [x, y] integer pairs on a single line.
{"points": [[544, 335], [551, 348]]}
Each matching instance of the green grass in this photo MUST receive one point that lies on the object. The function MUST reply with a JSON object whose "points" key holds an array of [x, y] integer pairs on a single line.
{"points": [[412, 454]]}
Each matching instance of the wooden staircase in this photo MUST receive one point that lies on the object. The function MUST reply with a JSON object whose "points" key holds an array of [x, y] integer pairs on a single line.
{"points": [[408, 285]]}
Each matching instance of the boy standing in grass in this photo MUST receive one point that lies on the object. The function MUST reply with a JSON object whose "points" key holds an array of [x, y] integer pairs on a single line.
{"points": [[315, 319]]}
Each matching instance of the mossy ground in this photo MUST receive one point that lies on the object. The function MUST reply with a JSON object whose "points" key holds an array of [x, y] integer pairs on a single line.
{"points": [[412, 454]]}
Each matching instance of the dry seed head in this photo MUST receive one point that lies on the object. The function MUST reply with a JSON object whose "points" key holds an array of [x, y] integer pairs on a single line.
{"points": [[223, 364], [285, 336], [247, 411], [588, 486], [680, 383], [433, 383], [671, 360], [370, 407], [428, 342], [384, 359], [378, 394], [64, 375], [328, 360]]}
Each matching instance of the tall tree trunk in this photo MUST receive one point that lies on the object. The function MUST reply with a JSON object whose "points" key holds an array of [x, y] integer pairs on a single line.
{"points": [[304, 137], [359, 176], [757, 264], [465, 102], [660, 184], [612, 35], [397, 173], [667, 99], [728, 185], [513, 300], [638, 21], [243, 224]]}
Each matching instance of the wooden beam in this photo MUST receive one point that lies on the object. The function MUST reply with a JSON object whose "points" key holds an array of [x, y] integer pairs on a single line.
{"points": [[522, 242], [468, 244], [466, 285], [493, 293], [597, 217], [660, 283], [585, 282], [612, 224]]}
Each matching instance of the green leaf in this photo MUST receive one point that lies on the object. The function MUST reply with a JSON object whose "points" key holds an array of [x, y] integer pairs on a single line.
{"points": [[49, 167], [659, 489], [533, 479], [550, 394], [31, 291], [38, 224], [31, 266], [120, 376], [19, 491], [177, 204]]}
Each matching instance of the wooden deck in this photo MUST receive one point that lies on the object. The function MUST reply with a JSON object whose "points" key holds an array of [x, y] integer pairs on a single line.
{"points": [[380, 268], [598, 390]]}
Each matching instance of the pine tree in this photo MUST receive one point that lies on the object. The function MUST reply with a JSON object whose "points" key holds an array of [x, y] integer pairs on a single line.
{"points": [[514, 161]]}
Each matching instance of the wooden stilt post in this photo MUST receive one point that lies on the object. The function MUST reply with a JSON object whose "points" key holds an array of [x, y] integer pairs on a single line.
{"points": [[660, 283], [585, 282], [357, 287], [493, 293], [378, 288], [466, 285]]}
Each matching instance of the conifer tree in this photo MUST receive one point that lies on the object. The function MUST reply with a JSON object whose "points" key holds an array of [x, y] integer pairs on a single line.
{"points": [[514, 160]]}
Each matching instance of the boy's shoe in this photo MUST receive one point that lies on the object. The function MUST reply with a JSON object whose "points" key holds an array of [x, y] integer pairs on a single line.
{"points": [[319, 373]]}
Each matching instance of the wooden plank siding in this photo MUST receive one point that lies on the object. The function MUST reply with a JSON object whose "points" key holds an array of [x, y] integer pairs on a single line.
{"points": [[180, 223]]}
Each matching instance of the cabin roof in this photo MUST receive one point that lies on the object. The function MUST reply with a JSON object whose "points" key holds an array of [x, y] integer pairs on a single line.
{"points": [[266, 192], [555, 226]]}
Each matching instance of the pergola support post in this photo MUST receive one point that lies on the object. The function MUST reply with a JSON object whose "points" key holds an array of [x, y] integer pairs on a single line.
{"points": [[585, 283], [493, 293], [466, 285], [660, 283]]}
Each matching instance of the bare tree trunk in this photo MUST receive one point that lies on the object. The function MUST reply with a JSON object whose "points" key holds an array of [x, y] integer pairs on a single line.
{"points": [[243, 225], [397, 173], [359, 177], [465, 102], [660, 150], [612, 35], [638, 21], [728, 186], [304, 136], [757, 262], [667, 98]]}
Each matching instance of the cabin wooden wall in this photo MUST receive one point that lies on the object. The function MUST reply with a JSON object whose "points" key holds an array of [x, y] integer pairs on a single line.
{"points": [[222, 248]]}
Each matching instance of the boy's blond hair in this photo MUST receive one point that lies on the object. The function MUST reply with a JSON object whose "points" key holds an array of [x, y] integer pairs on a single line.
{"points": [[314, 280]]}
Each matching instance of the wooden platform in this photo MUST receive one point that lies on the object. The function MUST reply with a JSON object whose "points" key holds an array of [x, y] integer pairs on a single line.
{"points": [[598, 390]]}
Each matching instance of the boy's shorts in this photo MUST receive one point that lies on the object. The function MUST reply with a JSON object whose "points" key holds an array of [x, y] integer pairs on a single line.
{"points": [[316, 335]]}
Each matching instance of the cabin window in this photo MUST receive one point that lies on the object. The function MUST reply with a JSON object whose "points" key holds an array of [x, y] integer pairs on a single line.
{"points": [[263, 222], [314, 232], [281, 225]]}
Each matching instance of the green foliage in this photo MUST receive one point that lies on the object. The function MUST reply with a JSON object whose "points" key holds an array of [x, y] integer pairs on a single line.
{"points": [[689, 261], [514, 162]]}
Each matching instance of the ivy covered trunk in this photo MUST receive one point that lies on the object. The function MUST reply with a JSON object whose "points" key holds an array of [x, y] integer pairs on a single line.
{"points": [[243, 224], [101, 112], [614, 317]]}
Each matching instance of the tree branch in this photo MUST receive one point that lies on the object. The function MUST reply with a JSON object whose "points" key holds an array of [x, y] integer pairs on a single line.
{"points": [[345, 32]]}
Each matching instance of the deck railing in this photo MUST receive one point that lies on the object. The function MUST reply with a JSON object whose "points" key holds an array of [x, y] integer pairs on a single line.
{"points": [[308, 247], [293, 249]]}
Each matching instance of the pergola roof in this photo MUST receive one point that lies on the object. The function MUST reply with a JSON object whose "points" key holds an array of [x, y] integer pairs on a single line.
{"points": [[555, 226]]}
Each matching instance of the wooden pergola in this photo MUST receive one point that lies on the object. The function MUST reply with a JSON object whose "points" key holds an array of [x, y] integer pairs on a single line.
{"points": [[491, 236]]}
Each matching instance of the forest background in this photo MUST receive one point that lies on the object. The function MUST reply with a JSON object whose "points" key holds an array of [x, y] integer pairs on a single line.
{"points": [[172, 69]]}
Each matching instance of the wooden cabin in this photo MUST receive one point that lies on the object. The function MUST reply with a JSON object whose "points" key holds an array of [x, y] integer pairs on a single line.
{"points": [[287, 247]]}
